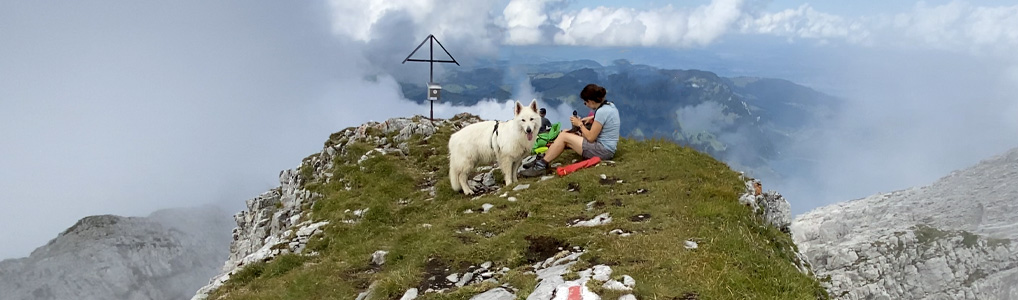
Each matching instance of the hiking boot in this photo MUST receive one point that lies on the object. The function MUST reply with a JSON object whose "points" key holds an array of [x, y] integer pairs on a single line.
{"points": [[539, 168], [529, 162]]}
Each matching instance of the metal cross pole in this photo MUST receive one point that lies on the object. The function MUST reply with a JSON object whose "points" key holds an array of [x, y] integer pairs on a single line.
{"points": [[431, 60]]}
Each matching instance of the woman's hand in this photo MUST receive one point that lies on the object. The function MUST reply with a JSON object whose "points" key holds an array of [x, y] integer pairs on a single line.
{"points": [[576, 121]]}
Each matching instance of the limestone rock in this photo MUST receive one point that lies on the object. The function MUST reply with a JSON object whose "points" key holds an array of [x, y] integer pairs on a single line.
{"points": [[495, 294], [601, 219], [378, 258], [167, 255], [953, 239], [410, 294]]}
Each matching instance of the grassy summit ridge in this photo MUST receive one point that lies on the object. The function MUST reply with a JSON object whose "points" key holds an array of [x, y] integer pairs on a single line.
{"points": [[687, 195]]}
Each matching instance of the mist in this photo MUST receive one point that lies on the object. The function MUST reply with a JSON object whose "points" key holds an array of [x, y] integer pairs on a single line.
{"points": [[907, 119], [125, 109], [129, 108]]}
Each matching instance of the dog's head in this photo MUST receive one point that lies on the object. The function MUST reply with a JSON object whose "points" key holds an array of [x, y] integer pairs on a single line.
{"points": [[528, 119]]}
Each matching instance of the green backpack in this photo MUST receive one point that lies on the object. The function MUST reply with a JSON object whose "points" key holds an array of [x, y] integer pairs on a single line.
{"points": [[544, 139]]}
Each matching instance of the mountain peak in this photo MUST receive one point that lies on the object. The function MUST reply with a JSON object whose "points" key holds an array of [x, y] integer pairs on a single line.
{"points": [[100, 222], [115, 257], [375, 206]]}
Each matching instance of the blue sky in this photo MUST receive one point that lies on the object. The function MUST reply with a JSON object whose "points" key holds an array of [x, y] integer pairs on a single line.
{"points": [[124, 108]]}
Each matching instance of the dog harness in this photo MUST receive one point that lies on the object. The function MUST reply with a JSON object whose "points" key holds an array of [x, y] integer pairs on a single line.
{"points": [[494, 137]]}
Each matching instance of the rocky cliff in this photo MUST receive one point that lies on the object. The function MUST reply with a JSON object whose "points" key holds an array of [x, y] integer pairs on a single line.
{"points": [[277, 221], [372, 216], [166, 255], [953, 239]]}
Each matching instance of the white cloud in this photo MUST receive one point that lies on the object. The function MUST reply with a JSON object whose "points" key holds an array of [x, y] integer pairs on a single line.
{"points": [[705, 117], [994, 24], [937, 26], [469, 21], [959, 26], [806, 22], [355, 18], [711, 21], [954, 26], [667, 26], [523, 19]]}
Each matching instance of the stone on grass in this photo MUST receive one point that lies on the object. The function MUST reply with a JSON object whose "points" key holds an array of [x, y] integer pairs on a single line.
{"points": [[601, 219], [628, 281], [378, 257], [495, 294], [615, 286], [410, 294], [602, 272]]}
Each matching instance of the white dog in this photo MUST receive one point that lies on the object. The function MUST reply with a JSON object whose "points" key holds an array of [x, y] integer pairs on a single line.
{"points": [[486, 142]]}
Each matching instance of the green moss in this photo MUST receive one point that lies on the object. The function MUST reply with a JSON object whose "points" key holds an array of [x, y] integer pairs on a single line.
{"points": [[968, 239], [977, 275], [993, 243], [926, 234], [570, 276]]}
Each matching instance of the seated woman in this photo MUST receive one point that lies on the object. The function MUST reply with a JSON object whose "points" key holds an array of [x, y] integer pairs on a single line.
{"points": [[600, 140]]}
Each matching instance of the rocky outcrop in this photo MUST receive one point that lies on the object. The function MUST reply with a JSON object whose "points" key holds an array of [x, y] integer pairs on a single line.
{"points": [[953, 239], [278, 221], [269, 227], [163, 256], [774, 210]]}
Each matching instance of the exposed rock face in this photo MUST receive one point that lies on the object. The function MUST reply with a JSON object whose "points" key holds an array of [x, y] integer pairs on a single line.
{"points": [[164, 256], [773, 209], [277, 221], [953, 239]]}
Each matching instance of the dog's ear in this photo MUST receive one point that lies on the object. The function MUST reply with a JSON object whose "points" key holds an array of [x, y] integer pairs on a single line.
{"points": [[533, 105], [519, 108]]}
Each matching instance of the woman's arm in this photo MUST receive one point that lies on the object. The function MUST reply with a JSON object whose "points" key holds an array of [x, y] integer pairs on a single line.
{"points": [[592, 133]]}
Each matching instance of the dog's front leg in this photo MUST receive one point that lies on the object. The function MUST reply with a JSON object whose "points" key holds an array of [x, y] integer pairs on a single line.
{"points": [[507, 170], [516, 168]]}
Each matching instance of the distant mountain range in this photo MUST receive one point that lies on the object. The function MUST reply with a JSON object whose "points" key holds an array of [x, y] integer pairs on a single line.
{"points": [[744, 121]]}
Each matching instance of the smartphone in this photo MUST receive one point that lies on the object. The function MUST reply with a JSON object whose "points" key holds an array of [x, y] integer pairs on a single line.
{"points": [[575, 128]]}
